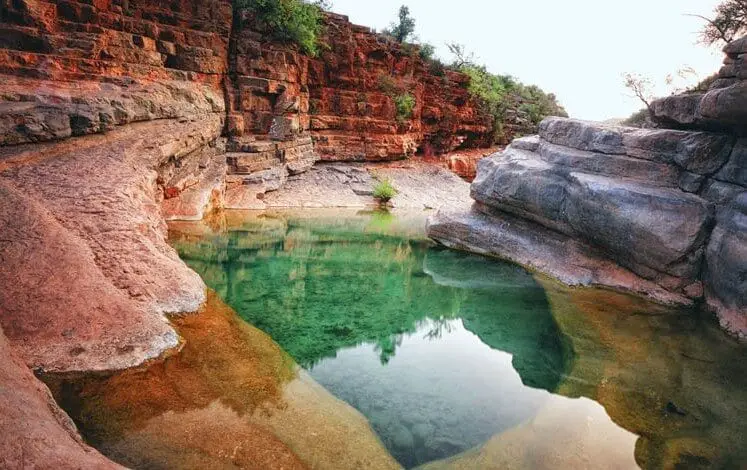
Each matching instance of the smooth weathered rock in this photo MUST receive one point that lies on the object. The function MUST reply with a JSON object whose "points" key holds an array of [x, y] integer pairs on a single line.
{"points": [[530, 143], [735, 170], [645, 228], [92, 292], [690, 182], [636, 201], [35, 432], [645, 171], [720, 193], [37, 111], [736, 47], [538, 248], [727, 106], [697, 152], [678, 110], [726, 273], [193, 194]]}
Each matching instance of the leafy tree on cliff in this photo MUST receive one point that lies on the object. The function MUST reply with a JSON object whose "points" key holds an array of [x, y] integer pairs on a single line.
{"points": [[294, 21], [729, 22], [516, 108], [405, 28]]}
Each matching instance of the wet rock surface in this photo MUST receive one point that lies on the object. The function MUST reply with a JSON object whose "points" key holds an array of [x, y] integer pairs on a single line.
{"points": [[230, 398], [36, 433]]}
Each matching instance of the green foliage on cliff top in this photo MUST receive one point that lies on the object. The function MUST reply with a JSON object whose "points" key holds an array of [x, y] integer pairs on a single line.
{"points": [[294, 21], [404, 28], [508, 101]]}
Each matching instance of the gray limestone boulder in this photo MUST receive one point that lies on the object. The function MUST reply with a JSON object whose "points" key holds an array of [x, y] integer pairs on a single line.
{"points": [[735, 170], [697, 152], [647, 228]]}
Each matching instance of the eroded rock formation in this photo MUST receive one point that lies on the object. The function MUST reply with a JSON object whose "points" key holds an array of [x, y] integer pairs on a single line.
{"points": [[286, 110], [661, 212], [118, 115]]}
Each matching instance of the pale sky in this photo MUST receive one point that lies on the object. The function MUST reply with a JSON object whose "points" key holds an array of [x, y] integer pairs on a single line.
{"points": [[577, 49]]}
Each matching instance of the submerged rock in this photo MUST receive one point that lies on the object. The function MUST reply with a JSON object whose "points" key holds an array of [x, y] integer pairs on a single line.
{"points": [[230, 398]]}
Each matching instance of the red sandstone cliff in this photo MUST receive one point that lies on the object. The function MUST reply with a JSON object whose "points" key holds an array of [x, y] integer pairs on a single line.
{"points": [[112, 114], [345, 98]]}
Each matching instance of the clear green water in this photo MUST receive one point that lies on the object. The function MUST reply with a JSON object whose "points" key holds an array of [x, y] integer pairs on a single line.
{"points": [[447, 352]]}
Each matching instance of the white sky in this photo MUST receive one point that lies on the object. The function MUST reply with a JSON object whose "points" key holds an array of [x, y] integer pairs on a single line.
{"points": [[577, 49]]}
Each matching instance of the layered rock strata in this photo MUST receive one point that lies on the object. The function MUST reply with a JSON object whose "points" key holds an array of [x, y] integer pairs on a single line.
{"points": [[117, 115], [345, 98], [722, 107], [353, 87], [622, 207]]}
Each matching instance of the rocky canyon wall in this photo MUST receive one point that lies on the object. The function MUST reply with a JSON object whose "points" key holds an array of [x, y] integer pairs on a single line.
{"points": [[110, 119], [662, 212], [287, 110], [345, 98]]}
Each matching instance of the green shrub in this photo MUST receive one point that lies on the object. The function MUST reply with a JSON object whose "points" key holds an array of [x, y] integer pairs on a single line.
{"points": [[294, 21], [405, 104], [404, 101], [640, 118], [501, 94], [427, 52], [388, 85], [384, 191], [704, 85]]}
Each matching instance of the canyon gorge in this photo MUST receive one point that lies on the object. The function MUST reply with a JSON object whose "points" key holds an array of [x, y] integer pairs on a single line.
{"points": [[118, 117]]}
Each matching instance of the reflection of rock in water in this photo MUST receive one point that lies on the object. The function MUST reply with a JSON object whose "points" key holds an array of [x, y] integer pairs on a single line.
{"points": [[508, 311], [231, 398], [564, 434], [670, 377], [336, 285]]}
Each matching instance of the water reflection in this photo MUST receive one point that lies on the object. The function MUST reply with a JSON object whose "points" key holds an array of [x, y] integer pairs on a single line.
{"points": [[318, 286], [371, 309], [457, 361]]}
